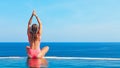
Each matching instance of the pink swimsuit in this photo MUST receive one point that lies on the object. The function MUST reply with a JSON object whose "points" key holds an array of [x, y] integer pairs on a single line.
{"points": [[33, 53]]}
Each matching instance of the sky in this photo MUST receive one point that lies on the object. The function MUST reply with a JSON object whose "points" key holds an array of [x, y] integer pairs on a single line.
{"points": [[62, 20]]}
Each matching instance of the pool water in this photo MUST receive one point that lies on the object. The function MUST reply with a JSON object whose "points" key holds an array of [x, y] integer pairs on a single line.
{"points": [[23, 62]]}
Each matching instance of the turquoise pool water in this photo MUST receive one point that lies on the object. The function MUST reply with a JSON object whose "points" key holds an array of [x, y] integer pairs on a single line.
{"points": [[22, 62]]}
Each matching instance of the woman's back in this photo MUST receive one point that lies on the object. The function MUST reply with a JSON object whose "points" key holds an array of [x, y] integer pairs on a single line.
{"points": [[34, 43]]}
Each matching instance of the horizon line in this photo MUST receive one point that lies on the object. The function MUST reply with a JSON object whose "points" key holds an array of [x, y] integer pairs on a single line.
{"points": [[63, 42]]}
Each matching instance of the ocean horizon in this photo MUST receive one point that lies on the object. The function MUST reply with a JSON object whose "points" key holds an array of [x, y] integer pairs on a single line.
{"points": [[65, 49], [63, 54]]}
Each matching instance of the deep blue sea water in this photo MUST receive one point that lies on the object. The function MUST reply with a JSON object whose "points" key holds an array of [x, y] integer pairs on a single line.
{"points": [[64, 55]]}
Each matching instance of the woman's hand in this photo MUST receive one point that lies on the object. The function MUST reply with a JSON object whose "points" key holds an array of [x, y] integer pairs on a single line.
{"points": [[34, 13]]}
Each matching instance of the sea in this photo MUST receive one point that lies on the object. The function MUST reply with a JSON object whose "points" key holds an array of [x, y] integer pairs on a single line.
{"points": [[62, 55]]}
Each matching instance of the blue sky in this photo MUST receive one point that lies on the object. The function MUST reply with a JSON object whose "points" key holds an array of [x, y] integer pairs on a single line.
{"points": [[63, 20]]}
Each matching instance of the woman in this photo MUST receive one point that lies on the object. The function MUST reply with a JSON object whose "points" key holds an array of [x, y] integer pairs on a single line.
{"points": [[34, 37]]}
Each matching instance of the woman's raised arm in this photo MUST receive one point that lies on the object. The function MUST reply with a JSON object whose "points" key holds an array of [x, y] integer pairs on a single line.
{"points": [[40, 24], [30, 21]]}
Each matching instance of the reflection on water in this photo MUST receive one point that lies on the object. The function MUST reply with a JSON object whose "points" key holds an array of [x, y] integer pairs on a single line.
{"points": [[37, 63]]}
